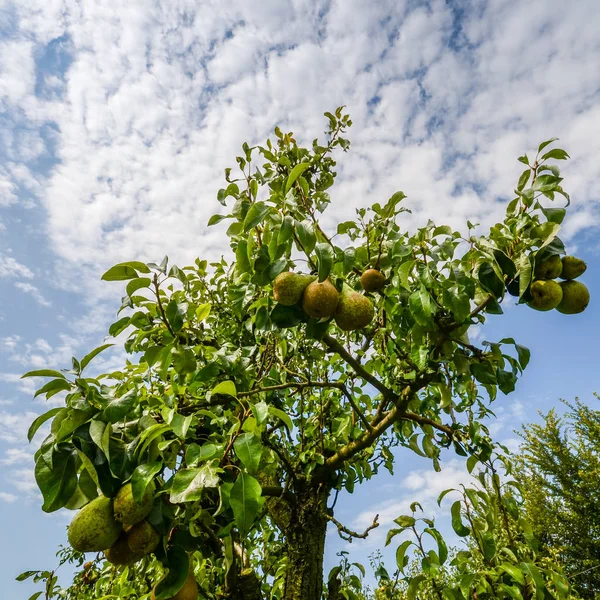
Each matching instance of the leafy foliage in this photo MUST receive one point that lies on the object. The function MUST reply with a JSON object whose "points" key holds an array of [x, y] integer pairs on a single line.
{"points": [[248, 414], [559, 469]]}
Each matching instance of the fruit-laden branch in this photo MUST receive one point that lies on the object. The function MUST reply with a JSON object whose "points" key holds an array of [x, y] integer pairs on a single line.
{"points": [[348, 534], [396, 413]]}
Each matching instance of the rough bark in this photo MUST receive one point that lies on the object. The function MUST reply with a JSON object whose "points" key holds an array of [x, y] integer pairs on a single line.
{"points": [[305, 541]]}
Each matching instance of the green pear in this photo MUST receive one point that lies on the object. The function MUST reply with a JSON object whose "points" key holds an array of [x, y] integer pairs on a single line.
{"points": [[354, 310], [550, 268], [127, 510], [94, 527], [288, 287], [575, 297], [320, 299], [120, 553], [372, 280], [546, 294], [572, 267], [142, 538]]}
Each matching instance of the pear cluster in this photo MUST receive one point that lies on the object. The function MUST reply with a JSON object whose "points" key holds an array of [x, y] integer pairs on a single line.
{"points": [[350, 309], [567, 296], [117, 526]]}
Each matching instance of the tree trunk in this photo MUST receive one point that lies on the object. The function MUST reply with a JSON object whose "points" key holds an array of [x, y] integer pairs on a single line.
{"points": [[305, 541]]}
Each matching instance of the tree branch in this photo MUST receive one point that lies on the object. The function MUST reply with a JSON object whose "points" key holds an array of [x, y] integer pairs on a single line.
{"points": [[347, 534], [336, 346]]}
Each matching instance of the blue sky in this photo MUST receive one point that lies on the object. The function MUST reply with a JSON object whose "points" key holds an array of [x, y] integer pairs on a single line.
{"points": [[116, 123]]}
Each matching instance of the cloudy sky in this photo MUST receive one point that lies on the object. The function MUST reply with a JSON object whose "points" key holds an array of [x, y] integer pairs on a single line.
{"points": [[118, 118]]}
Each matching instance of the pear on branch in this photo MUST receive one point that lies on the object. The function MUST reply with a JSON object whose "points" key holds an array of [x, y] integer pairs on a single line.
{"points": [[572, 267], [354, 310], [120, 553], [127, 510], [550, 268], [320, 299], [546, 294], [575, 298], [372, 280], [288, 287], [94, 527], [142, 538]]}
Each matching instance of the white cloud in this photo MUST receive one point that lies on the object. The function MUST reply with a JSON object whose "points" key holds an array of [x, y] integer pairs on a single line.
{"points": [[422, 485], [13, 427], [9, 498], [14, 456], [34, 292], [9, 267]]}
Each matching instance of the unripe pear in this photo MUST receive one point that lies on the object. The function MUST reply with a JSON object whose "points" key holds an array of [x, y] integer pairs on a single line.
{"points": [[550, 268], [288, 287], [120, 553], [127, 510], [372, 280], [320, 299], [94, 527], [546, 294], [142, 538], [572, 267], [575, 297], [354, 310]]}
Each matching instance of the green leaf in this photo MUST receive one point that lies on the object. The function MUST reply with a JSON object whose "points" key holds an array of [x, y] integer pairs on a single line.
{"points": [[119, 407], [523, 179], [40, 421], [58, 483], [245, 500], [217, 219], [442, 547], [141, 478], [257, 212], [248, 449], [180, 425], [514, 572], [179, 566], [53, 387], [26, 575], [324, 260], [188, 484], [137, 284], [43, 373], [286, 231], [195, 454], [523, 159], [306, 235], [202, 312], [117, 327], [538, 580], [124, 271], [401, 558], [276, 412], [513, 592], [349, 259], [287, 316], [227, 388], [88, 357], [415, 582], [555, 215], [457, 524], [420, 305], [184, 361], [405, 521], [557, 153], [241, 257], [546, 143], [296, 172]]}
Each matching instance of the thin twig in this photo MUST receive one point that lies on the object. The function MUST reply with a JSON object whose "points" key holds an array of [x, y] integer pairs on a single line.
{"points": [[348, 534]]}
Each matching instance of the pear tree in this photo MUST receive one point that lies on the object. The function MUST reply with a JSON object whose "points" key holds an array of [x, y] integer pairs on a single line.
{"points": [[260, 386]]}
